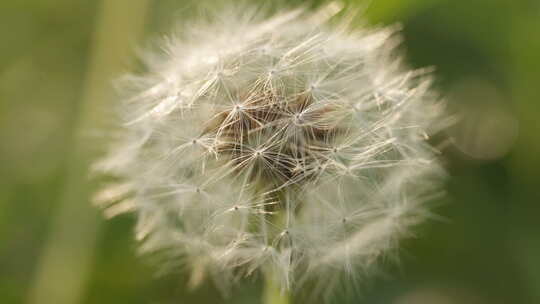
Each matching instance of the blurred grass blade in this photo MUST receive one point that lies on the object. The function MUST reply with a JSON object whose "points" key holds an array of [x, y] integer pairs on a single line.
{"points": [[65, 263]]}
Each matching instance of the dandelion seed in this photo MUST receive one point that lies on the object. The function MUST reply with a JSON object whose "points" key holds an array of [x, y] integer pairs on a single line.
{"points": [[276, 144]]}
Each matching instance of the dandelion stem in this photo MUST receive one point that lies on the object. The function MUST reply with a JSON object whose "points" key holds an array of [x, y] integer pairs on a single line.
{"points": [[273, 293]]}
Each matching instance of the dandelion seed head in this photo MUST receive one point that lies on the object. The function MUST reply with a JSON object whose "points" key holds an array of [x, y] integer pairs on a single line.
{"points": [[279, 142]]}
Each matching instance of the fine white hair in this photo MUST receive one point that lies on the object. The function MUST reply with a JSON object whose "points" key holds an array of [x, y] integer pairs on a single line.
{"points": [[279, 142]]}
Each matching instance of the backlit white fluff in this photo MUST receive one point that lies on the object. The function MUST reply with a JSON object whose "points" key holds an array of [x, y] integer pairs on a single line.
{"points": [[277, 144]]}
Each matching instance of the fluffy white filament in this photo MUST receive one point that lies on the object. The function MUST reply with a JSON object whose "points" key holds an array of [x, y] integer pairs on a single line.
{"points": [[275, 143]]}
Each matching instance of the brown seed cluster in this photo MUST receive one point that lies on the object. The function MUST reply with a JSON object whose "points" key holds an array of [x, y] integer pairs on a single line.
{"points": [[279, 139]]}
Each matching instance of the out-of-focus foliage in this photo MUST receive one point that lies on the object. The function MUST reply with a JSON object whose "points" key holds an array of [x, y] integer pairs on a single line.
{"points": [[485, 250]]}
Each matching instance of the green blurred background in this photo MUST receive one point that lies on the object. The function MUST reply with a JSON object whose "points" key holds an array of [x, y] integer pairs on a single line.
{"points": [[57, 60]]}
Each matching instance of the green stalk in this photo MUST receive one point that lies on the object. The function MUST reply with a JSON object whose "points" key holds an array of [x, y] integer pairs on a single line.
{"points": [[273, 294]]}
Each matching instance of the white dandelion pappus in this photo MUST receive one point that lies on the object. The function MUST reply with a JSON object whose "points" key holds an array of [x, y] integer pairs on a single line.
{"points": [[277, 144]]}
